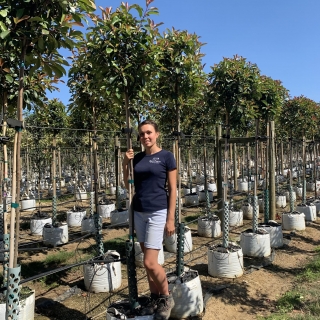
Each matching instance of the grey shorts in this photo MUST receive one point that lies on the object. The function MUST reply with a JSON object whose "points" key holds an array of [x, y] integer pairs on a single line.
{"points": [[149, 227]]}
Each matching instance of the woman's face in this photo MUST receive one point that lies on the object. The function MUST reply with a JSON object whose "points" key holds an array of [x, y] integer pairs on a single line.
{"points": [[148, 135]]}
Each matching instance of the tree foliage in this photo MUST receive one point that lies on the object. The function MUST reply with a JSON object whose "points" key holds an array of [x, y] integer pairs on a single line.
{"points": [[123, 44], [233, 90], [300, 117]]}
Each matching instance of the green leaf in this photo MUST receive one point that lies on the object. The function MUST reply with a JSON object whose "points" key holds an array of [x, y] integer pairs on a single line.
{"points": [[3, 34], [20, 12], [153, 12], [4, 13], [36, 19], [45, 31], [115, 19], [109, 50], [48, 70], [138, 8], [3, 26], [111, 79], [58, 70], [9, 78], [40, 43]]}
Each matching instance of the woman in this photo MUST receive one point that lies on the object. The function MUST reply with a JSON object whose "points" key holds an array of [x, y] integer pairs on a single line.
{"points": [[153, 211]]}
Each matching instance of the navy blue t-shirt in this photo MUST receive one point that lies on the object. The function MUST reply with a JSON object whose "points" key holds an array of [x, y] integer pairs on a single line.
{"points": [[150, 177]]}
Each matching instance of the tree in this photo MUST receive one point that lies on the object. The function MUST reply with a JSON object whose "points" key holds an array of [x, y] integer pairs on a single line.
{"points": [[31, 34], [233, 89], [299, 116]]}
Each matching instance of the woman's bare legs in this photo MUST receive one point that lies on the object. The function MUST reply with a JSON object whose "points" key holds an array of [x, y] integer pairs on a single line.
{"points": [[156, 275]]}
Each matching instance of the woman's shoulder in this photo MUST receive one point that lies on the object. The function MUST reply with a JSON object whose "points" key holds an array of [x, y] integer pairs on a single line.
{"points": [[169, 157], [166, 152]]}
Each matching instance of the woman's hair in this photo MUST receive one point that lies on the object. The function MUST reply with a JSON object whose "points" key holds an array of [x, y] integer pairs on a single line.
{"points": [[151, 122]]}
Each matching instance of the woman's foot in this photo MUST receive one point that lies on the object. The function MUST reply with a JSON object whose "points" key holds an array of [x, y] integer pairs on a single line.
{"points": [[165, 304], [151, 305]]}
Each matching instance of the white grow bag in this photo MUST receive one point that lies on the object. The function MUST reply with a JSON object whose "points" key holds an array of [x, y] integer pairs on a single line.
{"points": [[37, 223], [310, 186], [294, 196], [209, 227], [202, 196], [112, 190], [255, 244], [74, 218], [81, 195], [119, 218], [225, 262], [293, 221], [171, 241], [309, 210], [28, 204], [187, 294], [298, 192], [186, 191], [212, 187], [247, 210], [103, 277], [191, 199], [281, 202], [261, 205], [275, 231], [104, 210], [317, 204], [55, 235], [235, 218], [27, 306], [88, 225]]}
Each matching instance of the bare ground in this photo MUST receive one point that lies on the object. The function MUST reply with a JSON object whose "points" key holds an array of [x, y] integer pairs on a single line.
{"points": [[247, 297]]}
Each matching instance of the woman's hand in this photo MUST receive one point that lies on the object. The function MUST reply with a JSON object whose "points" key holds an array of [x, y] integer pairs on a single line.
{"points": [[128, 156], [170, 228]]}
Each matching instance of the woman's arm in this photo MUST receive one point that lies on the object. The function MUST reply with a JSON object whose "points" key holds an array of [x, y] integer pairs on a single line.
{"points": [[172, 188], [125, 167]]}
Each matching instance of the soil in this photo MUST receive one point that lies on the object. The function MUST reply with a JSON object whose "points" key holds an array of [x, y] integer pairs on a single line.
{"points": [[247, 297]]}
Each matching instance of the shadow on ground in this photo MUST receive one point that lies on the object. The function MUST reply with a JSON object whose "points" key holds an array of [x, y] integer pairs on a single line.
{"points": [[57, 311]]}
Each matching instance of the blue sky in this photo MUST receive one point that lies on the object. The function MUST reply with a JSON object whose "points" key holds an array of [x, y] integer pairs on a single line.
{"points": [[280, 36]]}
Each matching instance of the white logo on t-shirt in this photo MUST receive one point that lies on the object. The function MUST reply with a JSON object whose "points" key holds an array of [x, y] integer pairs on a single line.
{"points": [[155, 160]]}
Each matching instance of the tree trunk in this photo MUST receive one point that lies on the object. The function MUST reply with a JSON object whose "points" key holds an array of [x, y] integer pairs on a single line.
{"points": [[272, 191], [16, 213]]}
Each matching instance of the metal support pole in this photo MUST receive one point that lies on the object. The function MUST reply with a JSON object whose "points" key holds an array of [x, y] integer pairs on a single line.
{"points": [[291, 198], [266, 205], [2, 218], [180, 250], [255, 214], [218, 157], [98, 226], [304, 184], [117, 171], [13, 290], [272, 192], [235, 167], [6, 244], [207, 201], [226, 224], [92, 193], [54, 210], [304, 191], [132, 275]]}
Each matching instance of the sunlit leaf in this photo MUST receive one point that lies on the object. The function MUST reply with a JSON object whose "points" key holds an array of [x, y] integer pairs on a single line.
{"points": [[4, 34]]}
